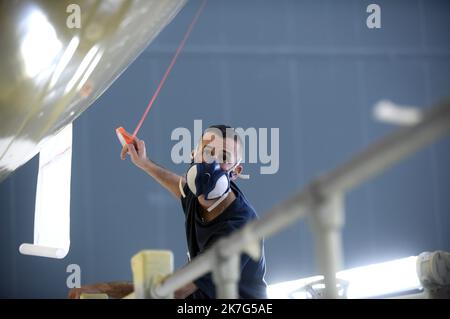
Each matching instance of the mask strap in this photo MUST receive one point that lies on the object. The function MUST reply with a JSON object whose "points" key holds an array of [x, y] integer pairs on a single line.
{"points": [[210, 208]]}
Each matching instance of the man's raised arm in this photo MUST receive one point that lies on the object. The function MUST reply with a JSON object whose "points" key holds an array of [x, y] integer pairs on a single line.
{"points": [[166, 178]]}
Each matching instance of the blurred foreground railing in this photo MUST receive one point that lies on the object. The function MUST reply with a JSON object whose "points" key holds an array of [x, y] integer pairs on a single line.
{"points": [[322, 200]]}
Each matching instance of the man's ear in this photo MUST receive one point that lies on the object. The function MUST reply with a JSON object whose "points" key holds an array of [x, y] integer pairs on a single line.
{"points": [[237, 171]]}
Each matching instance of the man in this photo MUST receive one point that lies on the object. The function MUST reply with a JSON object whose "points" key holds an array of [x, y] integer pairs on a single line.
{"points": [[213, 206]]}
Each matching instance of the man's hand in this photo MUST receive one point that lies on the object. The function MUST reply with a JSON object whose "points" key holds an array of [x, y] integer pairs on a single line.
{"points": [[138, 156], [114, 290]]}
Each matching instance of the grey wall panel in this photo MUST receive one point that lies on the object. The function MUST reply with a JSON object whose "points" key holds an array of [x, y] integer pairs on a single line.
{"points": [[310, 68]]}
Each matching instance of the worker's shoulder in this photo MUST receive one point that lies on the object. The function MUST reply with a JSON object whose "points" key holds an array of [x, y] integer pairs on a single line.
{"points": [[242, 199], [245, 210], [241, 211]]}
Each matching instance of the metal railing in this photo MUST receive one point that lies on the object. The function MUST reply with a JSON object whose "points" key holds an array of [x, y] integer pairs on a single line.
{"points": [[322, 200]]}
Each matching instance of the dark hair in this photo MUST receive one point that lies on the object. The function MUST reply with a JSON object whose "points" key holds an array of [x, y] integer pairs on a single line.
{"points": [[221, 127], [224, 129]]}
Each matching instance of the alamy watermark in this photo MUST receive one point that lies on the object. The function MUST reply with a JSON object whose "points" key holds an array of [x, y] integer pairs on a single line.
{"points": [[255, 145], [74, 279], [74, 18], [374, 19]]}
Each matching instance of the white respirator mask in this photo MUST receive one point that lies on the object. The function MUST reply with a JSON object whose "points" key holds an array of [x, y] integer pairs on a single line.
{"points": [[210, 180]]}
